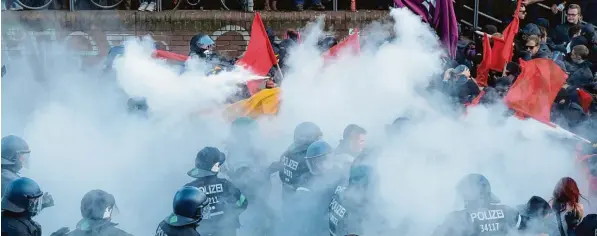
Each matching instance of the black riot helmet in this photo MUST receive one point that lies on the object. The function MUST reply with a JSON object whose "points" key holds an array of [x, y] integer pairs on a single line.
{"points": [[306, 133], [97, 204], [15, 151], [206, 161], [317, 154], [23, 195], [202, 45], [327, 43], [189, 204]]}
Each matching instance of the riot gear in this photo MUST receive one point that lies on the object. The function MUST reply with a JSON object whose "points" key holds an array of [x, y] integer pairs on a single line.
{"points": [[96, 209], [225, 201], [202, 45], [294, 169], [188, 206], [23, 195], [317, 154], [15, 151]]}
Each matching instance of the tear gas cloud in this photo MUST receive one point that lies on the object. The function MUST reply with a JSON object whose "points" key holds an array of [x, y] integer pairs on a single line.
{"points": [[82, 137]]}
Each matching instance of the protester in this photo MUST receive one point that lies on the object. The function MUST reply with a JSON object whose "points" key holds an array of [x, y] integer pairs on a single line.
{"points": [[569, 212]]}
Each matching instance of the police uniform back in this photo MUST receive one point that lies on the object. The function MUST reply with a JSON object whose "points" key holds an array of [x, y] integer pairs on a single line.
{"points": [[225, 202], [482, 214], [294, 170]]}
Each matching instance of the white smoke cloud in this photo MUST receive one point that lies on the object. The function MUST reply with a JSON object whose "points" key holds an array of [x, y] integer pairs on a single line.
{"points": [[83, 139]]}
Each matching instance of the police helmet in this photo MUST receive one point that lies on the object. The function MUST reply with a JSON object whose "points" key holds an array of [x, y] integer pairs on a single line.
{"points": [[23, 195], [189, 205], [13, 147], [306, 133], [476, 187], [327, 43], [316, 154], [97, 204], [200, 43], [206, 160]]}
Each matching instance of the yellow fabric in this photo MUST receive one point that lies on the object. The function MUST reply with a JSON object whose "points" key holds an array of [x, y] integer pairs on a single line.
{"points": [[264, 102]]}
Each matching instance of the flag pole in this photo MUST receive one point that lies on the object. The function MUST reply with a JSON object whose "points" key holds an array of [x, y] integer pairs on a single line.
{"points": [[280, 70]]}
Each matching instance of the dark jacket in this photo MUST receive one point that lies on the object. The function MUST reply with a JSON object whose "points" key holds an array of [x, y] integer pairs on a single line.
{"points": [[561, 34], [225, 200], [88, 227], [19, 224], [579, 74], [164, 229]]}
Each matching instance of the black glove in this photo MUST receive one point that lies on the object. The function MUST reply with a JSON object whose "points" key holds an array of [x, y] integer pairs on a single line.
{"points": [[47, 200], [61, 232]]}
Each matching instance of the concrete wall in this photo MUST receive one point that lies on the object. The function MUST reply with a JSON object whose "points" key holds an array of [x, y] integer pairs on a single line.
{"points": [[92, 33]]}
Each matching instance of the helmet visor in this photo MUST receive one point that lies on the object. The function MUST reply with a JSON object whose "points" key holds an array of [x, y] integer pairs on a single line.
{"points": [[35, 205]]}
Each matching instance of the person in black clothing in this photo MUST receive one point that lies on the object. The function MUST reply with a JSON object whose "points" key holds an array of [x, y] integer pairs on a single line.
{"points": [[579, 68], [482, 214], [561, 33], [459, 85], [21, 201], [225, 201], [292, 167], [347, 209], [189, 205], [96, 210], [533, 216], [15, 156], [534, 50]]}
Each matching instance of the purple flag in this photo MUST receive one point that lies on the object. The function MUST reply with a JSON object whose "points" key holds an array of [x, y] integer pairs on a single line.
{"points": [[440, 15]]}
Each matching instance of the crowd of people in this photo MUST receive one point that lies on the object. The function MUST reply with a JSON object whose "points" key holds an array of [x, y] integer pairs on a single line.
{"points": [[572, 45], [329, 187]]}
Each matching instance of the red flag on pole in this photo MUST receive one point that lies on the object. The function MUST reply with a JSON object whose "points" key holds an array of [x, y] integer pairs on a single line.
{"points": [[483, 68], [170, 55], [585, 99], [504, 48], [259, 57], [536, 88], [352, 44]]}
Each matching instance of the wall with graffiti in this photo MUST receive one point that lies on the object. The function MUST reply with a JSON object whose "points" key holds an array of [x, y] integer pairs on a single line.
{"points": [[22, 36]]}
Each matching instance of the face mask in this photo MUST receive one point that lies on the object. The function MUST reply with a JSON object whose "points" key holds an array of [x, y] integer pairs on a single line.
{"points": [[108, 212], [216, 168]]}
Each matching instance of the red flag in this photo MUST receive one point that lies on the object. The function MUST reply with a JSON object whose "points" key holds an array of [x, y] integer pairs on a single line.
{"points": [[536, 88], [483, 68], [504, 49], [259, 57], [585, 99], [351, 43], [170, 55]]}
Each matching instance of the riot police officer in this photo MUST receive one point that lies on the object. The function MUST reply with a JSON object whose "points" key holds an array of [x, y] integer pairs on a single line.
{"points": [[203, 46], [225, 201], [346, 210], [310, 202], [188, 207], [21, 201], [15, 156], [96, 210], [482, 214], [292, 167]]}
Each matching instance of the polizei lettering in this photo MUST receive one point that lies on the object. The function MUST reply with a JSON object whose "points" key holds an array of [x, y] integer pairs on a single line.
{"points": [[292, 164], [212, 189], [339, 211], [487, 215]]}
